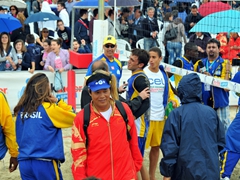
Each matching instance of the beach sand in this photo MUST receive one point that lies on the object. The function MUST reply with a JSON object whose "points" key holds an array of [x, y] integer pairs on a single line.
{"points": [[66, 167]]}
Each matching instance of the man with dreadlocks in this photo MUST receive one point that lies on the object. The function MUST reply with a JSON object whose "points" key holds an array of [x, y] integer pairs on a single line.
{"points": [[105, 150]]}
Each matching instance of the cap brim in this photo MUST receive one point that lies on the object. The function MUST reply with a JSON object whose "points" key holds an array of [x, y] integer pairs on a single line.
{"points": [[96, 88]]}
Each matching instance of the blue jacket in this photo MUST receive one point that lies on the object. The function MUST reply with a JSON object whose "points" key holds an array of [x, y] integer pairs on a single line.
{"points": [[81, 32], [220, 96], [40, 135], [192, 137]]}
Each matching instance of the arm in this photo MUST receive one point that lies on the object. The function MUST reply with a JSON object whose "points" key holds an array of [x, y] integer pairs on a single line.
{"points": [[47, 65], [8, 127], [137, 157], [61, 114], [78, 148], [171, 96], [140, 83], [170, 144]]}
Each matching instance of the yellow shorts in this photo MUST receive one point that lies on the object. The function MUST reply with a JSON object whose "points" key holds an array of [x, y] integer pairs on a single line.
{"points": [[155, 131]]}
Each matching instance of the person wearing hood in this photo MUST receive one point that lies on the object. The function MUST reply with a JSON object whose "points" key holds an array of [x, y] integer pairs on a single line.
{"points": [[50, 25], [193, 136], [174, 46]]}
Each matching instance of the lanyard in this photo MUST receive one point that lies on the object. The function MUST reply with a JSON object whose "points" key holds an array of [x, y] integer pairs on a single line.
{"points": [[83, 23], [209, 67]]}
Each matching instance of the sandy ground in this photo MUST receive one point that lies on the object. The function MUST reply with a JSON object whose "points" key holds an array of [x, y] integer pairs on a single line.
{"points": [[66, 167]]}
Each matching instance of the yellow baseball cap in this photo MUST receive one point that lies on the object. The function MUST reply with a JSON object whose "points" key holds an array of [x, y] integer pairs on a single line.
{"points": [[109, 40]]}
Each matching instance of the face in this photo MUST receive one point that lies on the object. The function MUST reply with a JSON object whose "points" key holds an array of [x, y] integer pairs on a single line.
{"points": [[194, 12], [109, 49], [4, 39], [45, 33], [137, 14], [60, 26], [101, 99], [133, 63], [155, 60], [199, 34], [55, 47], [234, 35], [76, 46], [193, 53], [150, 13], [170, 18], [212, 50], [59, 7], [18, 46], [13, 10], [46, 47]]}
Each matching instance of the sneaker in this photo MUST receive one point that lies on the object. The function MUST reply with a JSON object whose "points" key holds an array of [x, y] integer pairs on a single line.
{"points": [[226, 178]]}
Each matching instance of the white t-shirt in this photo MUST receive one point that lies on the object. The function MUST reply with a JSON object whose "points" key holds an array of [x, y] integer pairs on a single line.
{"points": [[107, 114], [157, 85]]}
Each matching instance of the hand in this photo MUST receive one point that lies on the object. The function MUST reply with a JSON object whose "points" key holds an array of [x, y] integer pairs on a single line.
{"points": [[13, 164], [8, 58], [200, 49], [144, 94], [153, 34], [31, 71], [130, 41], [130, 21], [174, 104], [83, 42], [19, 61], [50, 68], [166, 178], [53, 99], [42, 63], [61, 70], [192, 24], [122, 88]]}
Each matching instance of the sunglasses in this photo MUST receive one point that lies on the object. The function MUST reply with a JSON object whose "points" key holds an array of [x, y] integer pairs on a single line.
{"points": [[12, 9], [109, 46], [45, 31]]}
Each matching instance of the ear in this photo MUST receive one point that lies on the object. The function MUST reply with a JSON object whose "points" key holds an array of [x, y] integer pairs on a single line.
{"points": [[89, 92], [140, 65]]}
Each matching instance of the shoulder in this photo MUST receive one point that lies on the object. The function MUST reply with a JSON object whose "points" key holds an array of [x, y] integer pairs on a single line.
{"points": [[118, 62]]}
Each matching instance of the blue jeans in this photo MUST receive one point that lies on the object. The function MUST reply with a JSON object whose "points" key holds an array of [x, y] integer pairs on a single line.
{"points": [[29, 7], [149, 43], [174, 50]]}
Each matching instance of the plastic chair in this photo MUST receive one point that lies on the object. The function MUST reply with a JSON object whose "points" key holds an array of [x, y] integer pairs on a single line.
{"points": [[123, 47], [140, 44]]}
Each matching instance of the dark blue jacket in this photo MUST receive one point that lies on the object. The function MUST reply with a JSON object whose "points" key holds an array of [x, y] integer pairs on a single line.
{"points": [[81, 32], [192, 136]]}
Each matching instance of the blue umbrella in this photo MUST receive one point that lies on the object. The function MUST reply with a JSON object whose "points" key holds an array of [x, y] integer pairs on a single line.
{"points": [[8, 23], [41, 16], [90, 4], [224, 21], [124, 3]]}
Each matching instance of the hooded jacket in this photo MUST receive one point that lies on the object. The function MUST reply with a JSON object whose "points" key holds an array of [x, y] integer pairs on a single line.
{"points": [[192, 137]]}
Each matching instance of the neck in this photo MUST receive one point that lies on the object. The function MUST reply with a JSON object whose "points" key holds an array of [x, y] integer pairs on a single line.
{"points": [[19, 51], [138, 69], [153, 69], [57, 53], [110, 57], [102, 109], [4, 46], [212, 58]]}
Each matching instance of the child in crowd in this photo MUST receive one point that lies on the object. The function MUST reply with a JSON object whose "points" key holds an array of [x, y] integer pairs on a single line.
{"points": [[46, 51], [80, 48], [24, 59]]}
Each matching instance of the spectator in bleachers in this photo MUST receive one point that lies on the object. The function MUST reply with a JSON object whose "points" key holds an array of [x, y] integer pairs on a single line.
{"points": [[168, 18], [46, 51], [91, 24], [36, 6], [174, 46], [44, 35], [136, 28], [181, 12], [29, 7], [234, 46], [192, 19], [35, 53], [200, 39], [64, 33], [2, 10], [80, 48], [124, 24], [58, 59], [111, 27], [8, 57], [166, 7], [24, 59], [13, 10], [81, 28], [131, 12], [69, 5], [150, 29], [223, 39], [63, 14], [50, 25]]}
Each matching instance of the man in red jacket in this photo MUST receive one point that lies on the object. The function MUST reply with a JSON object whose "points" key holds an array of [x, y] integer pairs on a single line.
{"points": [[109, 153]]}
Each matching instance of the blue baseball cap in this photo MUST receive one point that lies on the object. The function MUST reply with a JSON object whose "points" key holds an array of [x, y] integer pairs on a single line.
{"points": [[98, 85]]}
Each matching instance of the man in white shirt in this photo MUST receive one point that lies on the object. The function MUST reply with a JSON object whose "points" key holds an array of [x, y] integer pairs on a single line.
{"points": [[160, 95], [63, 14]]}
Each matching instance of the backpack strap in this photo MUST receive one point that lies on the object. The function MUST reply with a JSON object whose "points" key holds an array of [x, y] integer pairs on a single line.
{"points": [[86, 121], [124, 115]]}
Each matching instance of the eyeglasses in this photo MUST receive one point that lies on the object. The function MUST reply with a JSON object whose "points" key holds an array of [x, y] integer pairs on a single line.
{"points": [[12, 9], [45, 31], [109, 46], [60, 24]]}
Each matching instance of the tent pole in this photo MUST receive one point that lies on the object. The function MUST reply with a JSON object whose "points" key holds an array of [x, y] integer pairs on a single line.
{"points": [[101, 9]]}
